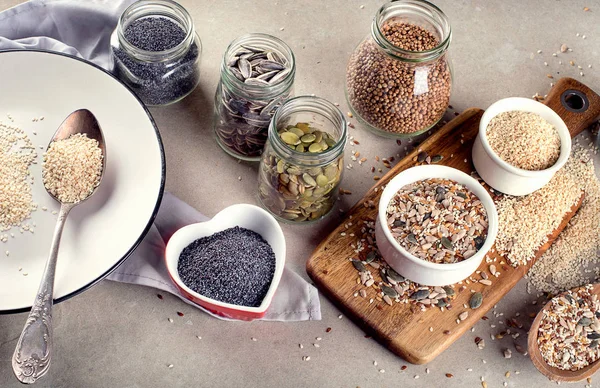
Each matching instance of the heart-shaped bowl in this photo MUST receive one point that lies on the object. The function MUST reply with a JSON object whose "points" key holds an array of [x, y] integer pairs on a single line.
{"points": [[245, 216]]}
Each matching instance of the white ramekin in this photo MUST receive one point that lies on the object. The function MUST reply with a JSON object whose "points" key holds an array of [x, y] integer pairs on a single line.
{"points": [[503, 176], [412, 267]]}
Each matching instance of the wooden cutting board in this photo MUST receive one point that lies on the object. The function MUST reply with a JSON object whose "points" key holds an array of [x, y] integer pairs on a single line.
{"points": [[404, 329]]}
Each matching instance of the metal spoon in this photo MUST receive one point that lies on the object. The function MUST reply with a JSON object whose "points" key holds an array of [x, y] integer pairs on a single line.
{"points": [[31, 359]]}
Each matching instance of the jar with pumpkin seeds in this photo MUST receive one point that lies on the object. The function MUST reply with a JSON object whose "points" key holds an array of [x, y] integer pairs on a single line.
{"points": [[257, 76], [302, 164]]}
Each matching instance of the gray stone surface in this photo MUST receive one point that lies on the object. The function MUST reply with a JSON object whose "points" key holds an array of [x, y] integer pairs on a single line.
{"points": [[117, 335]]}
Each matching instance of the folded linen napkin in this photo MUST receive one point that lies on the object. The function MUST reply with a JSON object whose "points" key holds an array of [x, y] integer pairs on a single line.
{"points": [[82, 29]]}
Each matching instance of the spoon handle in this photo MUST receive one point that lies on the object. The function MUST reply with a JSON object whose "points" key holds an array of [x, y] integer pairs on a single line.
{"points": [[31, 359]]}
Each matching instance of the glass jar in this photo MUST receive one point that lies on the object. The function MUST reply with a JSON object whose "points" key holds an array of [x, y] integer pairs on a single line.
{"points": [[295, 184], [156, 51], [399, 78], [257, 76]]}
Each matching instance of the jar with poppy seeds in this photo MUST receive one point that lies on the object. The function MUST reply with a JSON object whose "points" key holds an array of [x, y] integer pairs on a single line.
{"points": [[302, 164], [257, 76], [156, 52], [399, 78]]}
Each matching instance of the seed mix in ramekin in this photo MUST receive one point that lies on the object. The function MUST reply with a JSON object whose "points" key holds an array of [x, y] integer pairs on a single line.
{"points": [[438, 220]]}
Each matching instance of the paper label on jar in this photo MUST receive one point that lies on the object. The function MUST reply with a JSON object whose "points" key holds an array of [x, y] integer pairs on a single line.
{"points": [[421, 84]]}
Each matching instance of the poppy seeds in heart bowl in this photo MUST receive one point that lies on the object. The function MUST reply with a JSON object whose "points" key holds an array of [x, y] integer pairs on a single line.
{"points": [[234, 266]]}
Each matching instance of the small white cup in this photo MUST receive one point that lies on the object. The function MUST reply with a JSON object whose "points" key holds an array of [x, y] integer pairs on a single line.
{"points": [[417, 269], [503, 176]]}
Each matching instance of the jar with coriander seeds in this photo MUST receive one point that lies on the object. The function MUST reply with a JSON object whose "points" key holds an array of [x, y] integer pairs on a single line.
{"points": [[399, 78], [156, 52], [303, 161], [257, 76]]}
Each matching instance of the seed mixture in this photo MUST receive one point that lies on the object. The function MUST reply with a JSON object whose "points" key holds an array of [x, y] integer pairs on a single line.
{"points": [[438, 220], [298, 192], [17, 153], [569, 331], [72, 168], [525, 222], [396, 96], [393, 287], [233, 266], [245, 113], [160, 82], [524, 140], [562, 266]]}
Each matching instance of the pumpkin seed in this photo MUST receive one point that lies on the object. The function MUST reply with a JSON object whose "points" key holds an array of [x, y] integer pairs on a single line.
{"points": [[395, 276], [476, 300], [420, 294], [389, 291], [370, 257], [436, 158], [290, 138], [449, 290], [360, 267], [315, 147], [309, 179], [297, 131], [322, 180], [411, 238], [421, 156], [308, 138], [446, 243]]}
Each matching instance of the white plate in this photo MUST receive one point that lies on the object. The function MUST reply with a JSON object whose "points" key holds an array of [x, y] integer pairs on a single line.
{"points": [[101, 232]]}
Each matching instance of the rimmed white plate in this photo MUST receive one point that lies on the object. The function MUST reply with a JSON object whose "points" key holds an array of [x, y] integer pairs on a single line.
{"points": [[103, 231]]}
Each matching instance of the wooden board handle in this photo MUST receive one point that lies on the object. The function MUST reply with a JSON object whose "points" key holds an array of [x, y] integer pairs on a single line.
{"points": [[575, 103]]}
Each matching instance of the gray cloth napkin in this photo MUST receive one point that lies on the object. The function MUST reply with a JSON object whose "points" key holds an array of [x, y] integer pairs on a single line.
{"points": [[82, 29]]}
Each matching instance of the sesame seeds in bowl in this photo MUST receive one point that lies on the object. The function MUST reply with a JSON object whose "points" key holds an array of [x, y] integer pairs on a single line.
{"points": [[439, 253], [531, 165]]}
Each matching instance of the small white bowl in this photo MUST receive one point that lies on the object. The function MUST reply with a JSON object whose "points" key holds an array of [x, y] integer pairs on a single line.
{"points": [[242, 215], [412, 267], [503, 176]]}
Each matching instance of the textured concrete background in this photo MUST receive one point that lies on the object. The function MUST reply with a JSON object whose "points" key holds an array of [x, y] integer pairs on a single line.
{"points": [[117, 335]]}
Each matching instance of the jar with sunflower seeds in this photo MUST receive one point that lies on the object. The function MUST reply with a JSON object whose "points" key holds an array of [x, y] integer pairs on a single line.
{"points": [[302, 164], [257, 76]]}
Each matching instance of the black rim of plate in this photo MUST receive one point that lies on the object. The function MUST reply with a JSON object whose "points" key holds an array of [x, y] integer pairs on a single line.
{"points": [[160, 192]]}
